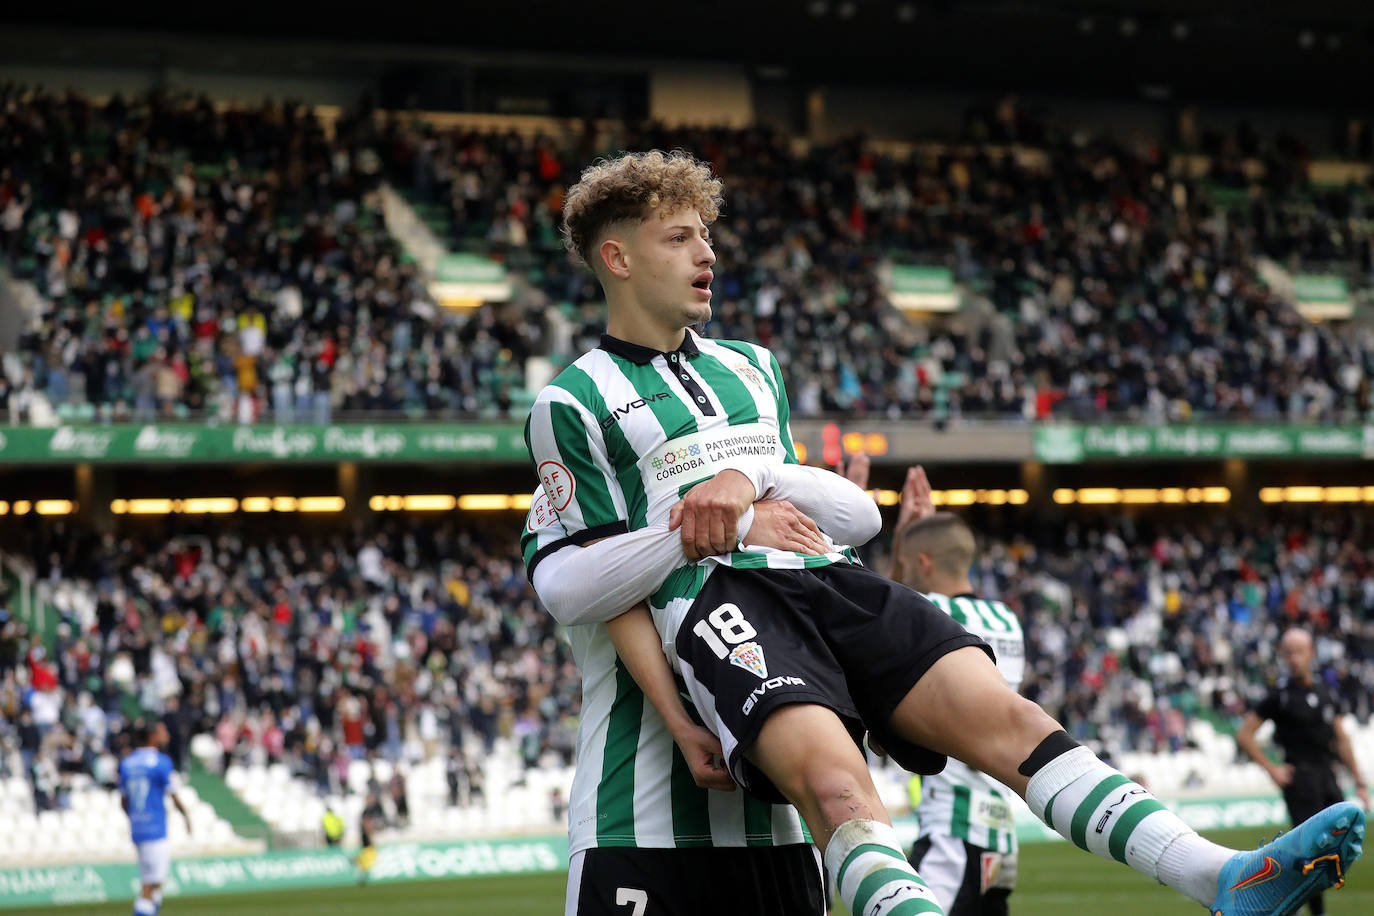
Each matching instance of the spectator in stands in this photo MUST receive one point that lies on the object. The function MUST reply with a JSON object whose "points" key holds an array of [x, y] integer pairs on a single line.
{"points": [[455, 774], [30, 739], [477, 783], [177, 738], [333, 827], [396, 787]]}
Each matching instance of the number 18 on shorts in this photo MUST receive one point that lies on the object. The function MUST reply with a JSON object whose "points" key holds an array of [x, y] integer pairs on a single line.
{"points": [[741, 663]]}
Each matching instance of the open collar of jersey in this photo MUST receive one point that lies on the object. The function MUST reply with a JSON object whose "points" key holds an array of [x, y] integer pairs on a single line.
{"points": [[641, 354]]}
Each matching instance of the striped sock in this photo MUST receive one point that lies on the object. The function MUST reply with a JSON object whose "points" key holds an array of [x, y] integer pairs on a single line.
{"points": [[867, 869], [1099, 810]]}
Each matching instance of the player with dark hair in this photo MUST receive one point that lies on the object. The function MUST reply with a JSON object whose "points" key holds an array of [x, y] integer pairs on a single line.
{"points": [[145, 776]]}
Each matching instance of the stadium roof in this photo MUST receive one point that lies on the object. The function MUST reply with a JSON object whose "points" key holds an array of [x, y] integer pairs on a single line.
{"points": [[1316, 53]]}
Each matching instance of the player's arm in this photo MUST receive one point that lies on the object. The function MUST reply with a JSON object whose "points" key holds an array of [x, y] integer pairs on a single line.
{"points": [[597, 582], [574, 467], [917, 503], [185, 815], [640, 648], [1346, 752], [710, 514], [1282, 774], [841, 507], [174, 786], [711, 511]]}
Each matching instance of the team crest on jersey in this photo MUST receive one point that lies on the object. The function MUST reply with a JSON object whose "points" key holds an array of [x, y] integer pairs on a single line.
{"points": [[751, 375], [749, 656]]}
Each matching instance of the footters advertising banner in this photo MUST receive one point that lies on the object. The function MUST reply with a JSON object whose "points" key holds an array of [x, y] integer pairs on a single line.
{"points": [[58, 884]]}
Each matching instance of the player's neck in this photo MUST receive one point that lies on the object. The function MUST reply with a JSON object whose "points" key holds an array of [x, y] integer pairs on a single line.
{"points": [[630, 323]]}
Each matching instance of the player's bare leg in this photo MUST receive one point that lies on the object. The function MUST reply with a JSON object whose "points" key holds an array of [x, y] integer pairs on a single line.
{"points": [[963, 708], [809, 755]]}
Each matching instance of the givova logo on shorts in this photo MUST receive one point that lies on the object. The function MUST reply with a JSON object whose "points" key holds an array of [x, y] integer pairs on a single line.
{"points": [[757, 693]]}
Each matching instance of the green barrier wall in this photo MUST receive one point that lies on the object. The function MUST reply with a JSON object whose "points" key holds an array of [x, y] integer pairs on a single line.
{"points": [[23, 887], [473, 858], [1065, 444], [171, 443]]}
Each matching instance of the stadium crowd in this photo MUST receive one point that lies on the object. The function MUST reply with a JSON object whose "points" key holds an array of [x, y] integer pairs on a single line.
{"points": [[405, 641], [1128, 289], [233, 262], [410, 641], [1136, 627]]}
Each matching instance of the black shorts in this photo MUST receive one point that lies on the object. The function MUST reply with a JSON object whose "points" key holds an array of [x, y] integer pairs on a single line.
{"points": [[1314, 788], [838, 636], [757, 880], [956, 872]]}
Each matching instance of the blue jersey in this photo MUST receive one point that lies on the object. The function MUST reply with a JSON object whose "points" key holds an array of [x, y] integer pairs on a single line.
{"points": [[144, 779]]}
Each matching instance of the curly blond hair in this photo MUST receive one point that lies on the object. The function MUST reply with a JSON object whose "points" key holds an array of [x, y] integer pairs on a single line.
{"points": [[631, 187]]}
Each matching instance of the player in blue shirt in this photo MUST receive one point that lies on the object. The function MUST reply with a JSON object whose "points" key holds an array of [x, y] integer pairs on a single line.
{"points": [[145, 776]]}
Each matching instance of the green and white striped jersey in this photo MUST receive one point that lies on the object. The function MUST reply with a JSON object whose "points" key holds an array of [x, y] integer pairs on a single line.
{"points": [[962, 802], [632, 786], [621, 434]]}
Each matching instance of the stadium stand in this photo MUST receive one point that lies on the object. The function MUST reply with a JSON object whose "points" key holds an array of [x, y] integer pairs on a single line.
{"points": [[1107, 261], [228, 264], [203, 260], [315, 668], [86, 823]]}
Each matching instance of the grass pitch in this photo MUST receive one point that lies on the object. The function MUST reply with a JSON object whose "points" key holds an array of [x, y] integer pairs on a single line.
{"points": [[1054, 879]]}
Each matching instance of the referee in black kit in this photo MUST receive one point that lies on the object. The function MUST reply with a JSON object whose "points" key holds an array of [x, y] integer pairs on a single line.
{"points": [[1307, 725]]}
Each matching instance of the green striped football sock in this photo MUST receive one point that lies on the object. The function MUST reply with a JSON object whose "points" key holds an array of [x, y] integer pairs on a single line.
{"points": [[1099, 810], [868, 870]]}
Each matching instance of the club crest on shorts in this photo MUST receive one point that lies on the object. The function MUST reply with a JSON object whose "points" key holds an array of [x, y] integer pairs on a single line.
{"points": [[749, 656]]}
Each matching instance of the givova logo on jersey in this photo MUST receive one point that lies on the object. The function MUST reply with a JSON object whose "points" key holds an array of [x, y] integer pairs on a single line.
{"points": [[608, 421]]}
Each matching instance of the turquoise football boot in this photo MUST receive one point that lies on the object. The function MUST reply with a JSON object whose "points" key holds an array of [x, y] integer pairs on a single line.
{"points": [[1277, 878]]}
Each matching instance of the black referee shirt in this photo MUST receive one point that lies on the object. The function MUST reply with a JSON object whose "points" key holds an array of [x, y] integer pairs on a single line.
{"points": [[1302, 718]]}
